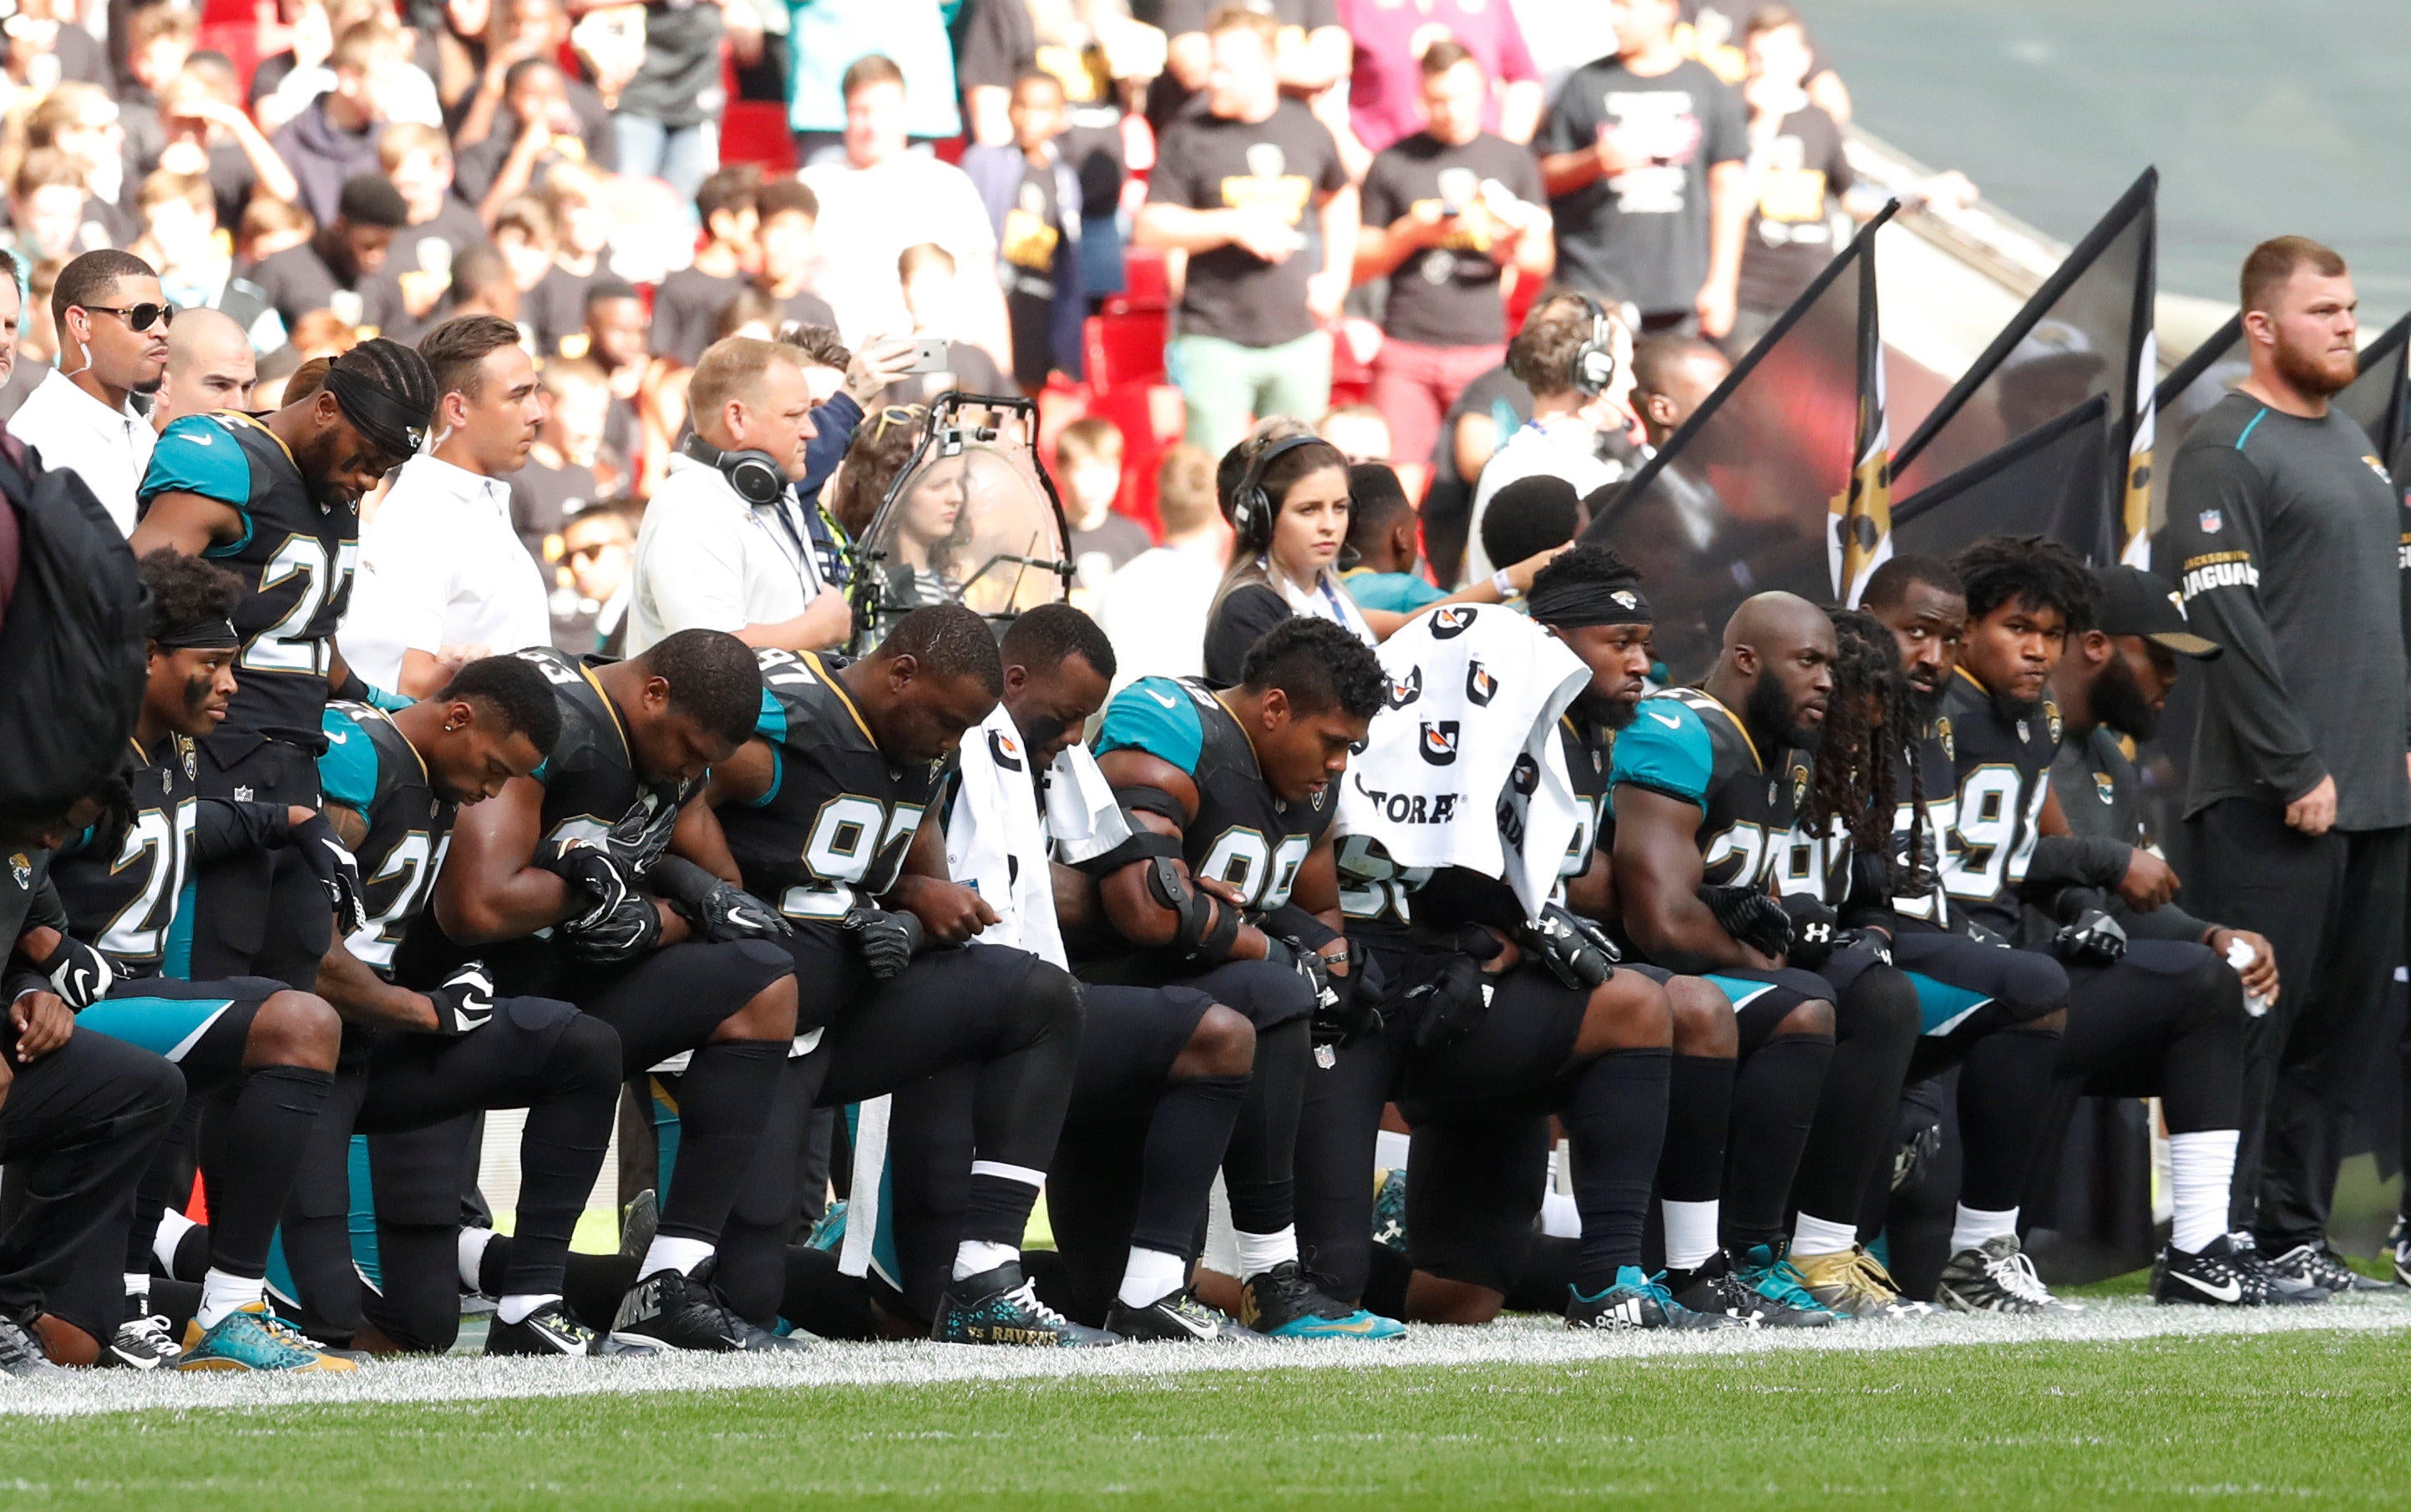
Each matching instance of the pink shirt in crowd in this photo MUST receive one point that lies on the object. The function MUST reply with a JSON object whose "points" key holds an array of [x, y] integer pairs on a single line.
{"points": [[1385, 94]]}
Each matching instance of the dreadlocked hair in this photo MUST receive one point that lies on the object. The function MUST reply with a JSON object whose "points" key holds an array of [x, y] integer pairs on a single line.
{"points": [[1867, 719]]}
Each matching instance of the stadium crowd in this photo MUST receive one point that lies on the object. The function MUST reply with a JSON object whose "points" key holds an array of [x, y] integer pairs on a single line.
{"points": [[525, 559]]}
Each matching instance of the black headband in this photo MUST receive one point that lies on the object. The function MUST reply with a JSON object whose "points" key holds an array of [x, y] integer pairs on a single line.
{"points": [[1576, 605], [197, 635], [382, 418]]}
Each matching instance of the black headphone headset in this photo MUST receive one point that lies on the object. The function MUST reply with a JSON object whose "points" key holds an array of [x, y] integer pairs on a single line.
{"points": [[1593, 368], [756, 475], [1253, 509]]}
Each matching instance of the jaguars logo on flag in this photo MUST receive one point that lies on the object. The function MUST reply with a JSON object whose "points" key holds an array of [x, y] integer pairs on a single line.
{"points": [[1405, 691], [1439, 742], [2105, 789], [1479, 685]]}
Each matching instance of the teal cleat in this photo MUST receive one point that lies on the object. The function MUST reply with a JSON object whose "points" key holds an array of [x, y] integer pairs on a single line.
{"points": [[1390, 1211], [1638, 1301], [999, 1307], [254, 1338], [828, 1235], [1284, 1302], [1768, 1271]]}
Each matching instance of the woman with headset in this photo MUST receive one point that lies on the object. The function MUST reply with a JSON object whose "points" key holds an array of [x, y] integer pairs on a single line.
{"points": [[1289, 514]]}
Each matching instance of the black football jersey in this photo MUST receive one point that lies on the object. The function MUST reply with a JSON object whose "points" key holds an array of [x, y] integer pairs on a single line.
{"points": [[295, 557], [2000, 778], [591, 788], [839, 818], [370, 768], [1686, 745], [123, 884]]}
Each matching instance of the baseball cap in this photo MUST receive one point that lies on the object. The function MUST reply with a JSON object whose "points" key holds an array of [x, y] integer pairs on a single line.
{"points": [[2136, 602]]}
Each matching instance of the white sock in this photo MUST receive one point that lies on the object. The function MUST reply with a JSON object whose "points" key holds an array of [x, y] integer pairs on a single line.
{"points": [[1821, 1236], [1975, 1226], [170, 1232], [1259, 1253], [679, 1255], [516, 1307], [2202, 1167], [1559, 1218], [1690, 1233], [1150, 1275], [472, 1254], [1390, 1151], [977, 1256], [222, 1294]]}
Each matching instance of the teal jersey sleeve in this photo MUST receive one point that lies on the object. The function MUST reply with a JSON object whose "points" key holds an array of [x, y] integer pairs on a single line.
{"points": [[1666, 749], [347, 770], [1389, 592], [770, 724], [197, 454], [1154, 715]]}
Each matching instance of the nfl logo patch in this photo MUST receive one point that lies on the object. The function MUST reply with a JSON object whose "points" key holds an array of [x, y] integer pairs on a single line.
{"points": [[2211, 522]]}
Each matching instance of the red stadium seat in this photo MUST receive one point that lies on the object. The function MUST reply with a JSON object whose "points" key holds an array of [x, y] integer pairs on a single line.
{"points": [[755, 131], [1144, 284], [1125, 349], [238, 40]]}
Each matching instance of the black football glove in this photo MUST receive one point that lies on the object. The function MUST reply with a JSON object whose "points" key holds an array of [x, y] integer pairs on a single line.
{"points": [[1445, 1006], [1751, 917], [720, 910], [1872, 943], [329, 860], [1816, 930], [2094, 939], [1574, 950], [465, 1002], [888, 941], [81, 975], [588, 867]]}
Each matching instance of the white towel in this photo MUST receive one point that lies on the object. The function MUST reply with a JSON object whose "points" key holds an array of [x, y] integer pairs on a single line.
{"points": [[997, 844], [1475, 693]]}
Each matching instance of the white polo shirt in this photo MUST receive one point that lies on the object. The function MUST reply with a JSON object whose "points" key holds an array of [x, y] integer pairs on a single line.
{"points": [[707, 560], [74, 432], [1561, 446], [440, 565]]}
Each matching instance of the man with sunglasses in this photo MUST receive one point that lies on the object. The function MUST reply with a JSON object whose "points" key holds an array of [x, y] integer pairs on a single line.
{"points": [[112, 324]]}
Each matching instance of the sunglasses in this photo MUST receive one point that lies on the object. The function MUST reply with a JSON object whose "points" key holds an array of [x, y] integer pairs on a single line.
{"points": [[903, 415], [140, 317], [588, 553]]}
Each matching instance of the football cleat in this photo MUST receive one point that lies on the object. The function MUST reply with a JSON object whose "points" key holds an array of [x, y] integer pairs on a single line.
{"points": [[762, 1341], [1996, 1277], [999, 1307], [550, 1331], [1782, 1297], [140, 1344], [1390, 1211], [20, 1353], [1713, 1288], [639, 1221], [2320, 1266], [2398, 1242], [829, 1234], [2226, 1272], [1853, 1283], [254, 1338], [1284, 1302], [1640, 1301], [1177, 1317], [672, 1310]]}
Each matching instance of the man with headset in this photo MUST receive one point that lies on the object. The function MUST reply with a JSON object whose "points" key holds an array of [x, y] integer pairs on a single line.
{"points": [[723, 547], [1577, 360]]}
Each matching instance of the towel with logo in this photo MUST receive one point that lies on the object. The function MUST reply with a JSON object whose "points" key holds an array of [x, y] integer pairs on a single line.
{"points": [[999, 844]]}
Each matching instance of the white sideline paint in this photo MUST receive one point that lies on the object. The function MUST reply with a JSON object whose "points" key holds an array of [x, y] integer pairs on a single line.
{"points": [[1521, 1341]]}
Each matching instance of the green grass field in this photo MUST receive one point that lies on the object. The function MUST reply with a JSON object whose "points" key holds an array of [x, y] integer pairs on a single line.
{"points": [[2304, 1418]]}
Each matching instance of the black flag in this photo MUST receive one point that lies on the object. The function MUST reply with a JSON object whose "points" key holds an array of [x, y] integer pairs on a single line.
{"points": [[1777, 479], [2048, 482], [2191, 388], [2086, 331]]}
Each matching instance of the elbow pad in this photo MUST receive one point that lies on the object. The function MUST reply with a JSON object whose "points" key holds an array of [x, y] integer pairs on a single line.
{"points": [[1202, 932], [1290, 921]]}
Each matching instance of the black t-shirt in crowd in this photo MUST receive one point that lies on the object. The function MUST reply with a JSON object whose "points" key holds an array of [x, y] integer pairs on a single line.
{"points": [[1642, 235], [1246, 615], [298, 280], [1800, 171], [1167, 100], [804, 308], [1282, 164], [678, 82], [544, 499], [686, 311], [555, 309], [1448, 295]]}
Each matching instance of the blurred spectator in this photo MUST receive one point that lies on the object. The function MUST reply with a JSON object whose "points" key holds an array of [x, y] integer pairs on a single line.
{"points": [[1643, 156], [210, 365], [689, 301], [1035, 206], [559, 479], [337, 269], [47, 44], [180, 238], [112, 323], [555, 308], [1569, 415], [442, 579], [1381, 529], [1490, 410], [323, 334], [1673, 376], [1393, 60], [1311, 50], [525, 236], [1152, 607], [36, 342], [1718, 35], [709, 558], [590, 613], [1798, 172], [537, 127], [1358, 431], [158, 38], [286, 84], [46, 209], [788, 213], [1444, 210], [828, 41], [1091, 48], [752, 313], [204, 129], [532, 31], [267, 226], [668, 118], [441, 226], [481, 285], [888, 198], [80, 122], [333, 141], [1528, 516], [1231, 189], [932, 305], [1088, 475]]}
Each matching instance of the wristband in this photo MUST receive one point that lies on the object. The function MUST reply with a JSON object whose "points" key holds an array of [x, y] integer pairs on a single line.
{"points": [[1504, 584]]}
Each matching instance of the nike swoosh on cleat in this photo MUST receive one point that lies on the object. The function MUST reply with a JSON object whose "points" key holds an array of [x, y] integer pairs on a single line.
{"points": [[2232, 1291]]}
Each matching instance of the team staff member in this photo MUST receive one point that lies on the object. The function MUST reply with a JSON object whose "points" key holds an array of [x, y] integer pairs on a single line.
{"points": [[277, 501], [2285, 530], [112, 326]]}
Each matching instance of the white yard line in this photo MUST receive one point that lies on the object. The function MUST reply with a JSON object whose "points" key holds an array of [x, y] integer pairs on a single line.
{"points": [[1520, 1341]]}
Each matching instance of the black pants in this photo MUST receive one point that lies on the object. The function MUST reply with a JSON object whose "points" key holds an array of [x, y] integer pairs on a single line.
{"points": [[2332, 906], [259, 912], [76, 1131]]}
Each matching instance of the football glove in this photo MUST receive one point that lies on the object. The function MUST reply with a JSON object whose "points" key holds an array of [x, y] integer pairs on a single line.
{"points": [[1816, 930], [888, 941], [2094, 939], [1442, 1007], [465, 1002], [331, 863], [1751, 917], [588, 867], [1576, 952], [81, 975], [720, 910]]}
